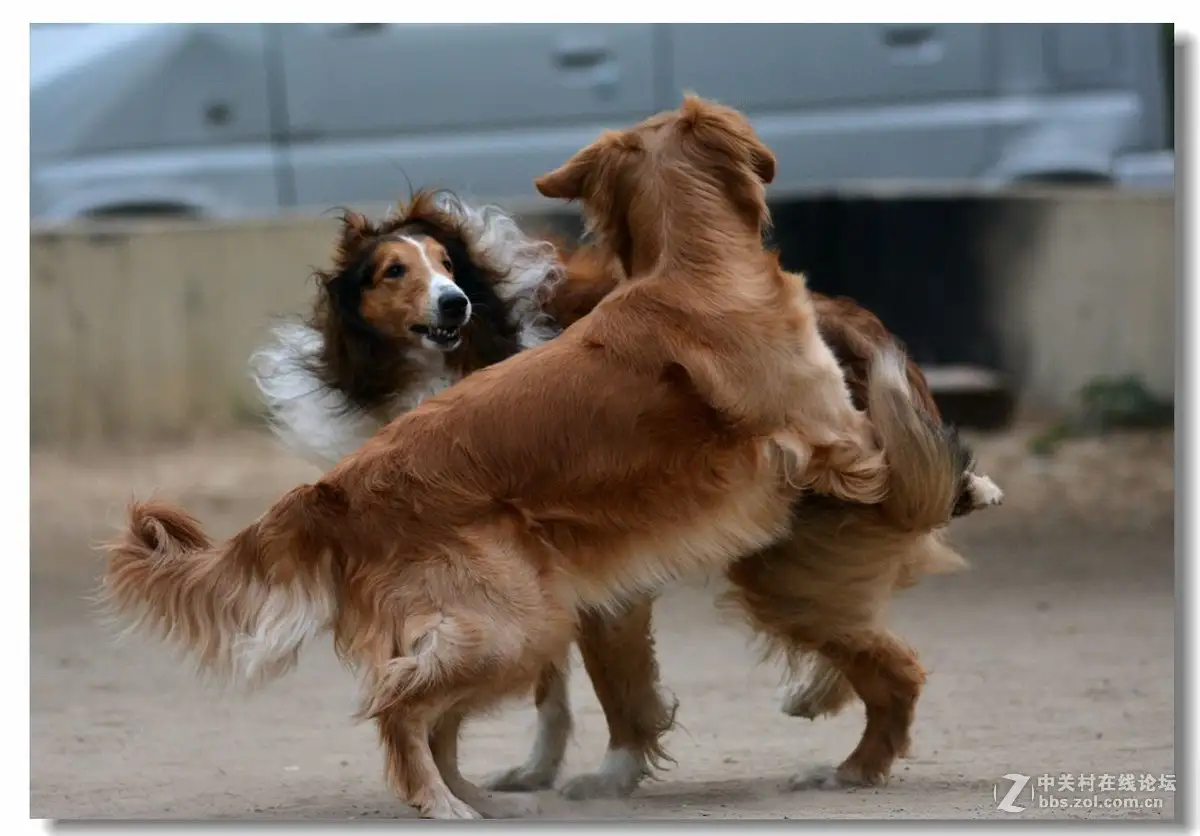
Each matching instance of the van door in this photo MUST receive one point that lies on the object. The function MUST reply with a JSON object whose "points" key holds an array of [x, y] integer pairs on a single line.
{"points": [[846, 102], [479, 108]]}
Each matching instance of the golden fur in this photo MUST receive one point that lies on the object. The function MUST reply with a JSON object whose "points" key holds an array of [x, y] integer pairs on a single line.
{"points": [[809, 597], [818, 598], [617, 652], [675, 427]]}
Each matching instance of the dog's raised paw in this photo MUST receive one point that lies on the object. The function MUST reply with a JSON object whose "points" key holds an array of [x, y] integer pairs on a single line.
{"points": [[523, 778], [983, 491]]}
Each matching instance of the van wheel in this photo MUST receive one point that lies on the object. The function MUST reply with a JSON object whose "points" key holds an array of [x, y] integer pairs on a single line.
{"points": [[1082, 179]]}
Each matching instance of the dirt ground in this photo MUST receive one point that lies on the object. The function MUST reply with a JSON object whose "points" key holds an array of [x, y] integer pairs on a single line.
{"points": [[1054, 654]]}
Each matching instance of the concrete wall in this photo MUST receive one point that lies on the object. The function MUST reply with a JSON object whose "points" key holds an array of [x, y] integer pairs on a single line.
{"points": [[1083, 285], [144, 331]]}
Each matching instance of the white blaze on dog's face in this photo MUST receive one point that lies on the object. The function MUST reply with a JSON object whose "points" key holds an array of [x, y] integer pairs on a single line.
{"points": [[411, 293]]}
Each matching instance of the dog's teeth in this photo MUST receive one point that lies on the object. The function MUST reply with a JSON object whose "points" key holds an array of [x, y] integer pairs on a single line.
{"points": [[443, 334]]}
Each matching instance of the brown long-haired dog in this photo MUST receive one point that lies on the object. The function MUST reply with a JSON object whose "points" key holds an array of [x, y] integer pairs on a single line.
{"points": [[817, 597], [824, 587], [669, 432]]}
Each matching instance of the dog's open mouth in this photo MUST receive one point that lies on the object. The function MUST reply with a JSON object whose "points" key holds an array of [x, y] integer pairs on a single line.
{"points": [[443, 338]]}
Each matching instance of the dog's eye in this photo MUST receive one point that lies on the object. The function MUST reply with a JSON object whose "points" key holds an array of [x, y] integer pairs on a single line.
{"points": [[448, 264], [394, 271]]}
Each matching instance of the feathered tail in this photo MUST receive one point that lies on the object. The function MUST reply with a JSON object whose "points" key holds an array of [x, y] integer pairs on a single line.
{"points": [[241, 610]]}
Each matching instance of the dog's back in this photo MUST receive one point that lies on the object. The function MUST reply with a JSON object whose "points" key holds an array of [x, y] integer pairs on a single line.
{"points": [[856, 335]]}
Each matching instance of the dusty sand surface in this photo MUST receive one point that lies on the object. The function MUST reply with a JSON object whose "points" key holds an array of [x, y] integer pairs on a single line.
{"points": [[1053, 655]]}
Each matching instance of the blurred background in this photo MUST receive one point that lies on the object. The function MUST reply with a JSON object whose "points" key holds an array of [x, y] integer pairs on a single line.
{"points": [[924, 169], [1001, 195]]}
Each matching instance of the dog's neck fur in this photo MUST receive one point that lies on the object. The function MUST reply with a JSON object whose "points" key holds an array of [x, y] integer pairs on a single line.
{"points": [[366, 367], [330, 383], [667, 216]]}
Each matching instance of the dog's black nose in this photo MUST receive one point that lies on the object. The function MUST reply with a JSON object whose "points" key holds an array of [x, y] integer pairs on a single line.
{"points": [[453, 308]]}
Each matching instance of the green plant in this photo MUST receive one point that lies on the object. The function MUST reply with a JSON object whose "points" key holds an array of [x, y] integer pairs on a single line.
{"points": [[1106, 404]]}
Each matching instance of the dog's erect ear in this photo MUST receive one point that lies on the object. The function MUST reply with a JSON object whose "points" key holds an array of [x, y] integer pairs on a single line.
{"points": [[729, 133]]}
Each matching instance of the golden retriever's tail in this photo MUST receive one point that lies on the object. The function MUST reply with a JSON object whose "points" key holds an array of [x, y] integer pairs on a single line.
{"points": [[241, 610]]}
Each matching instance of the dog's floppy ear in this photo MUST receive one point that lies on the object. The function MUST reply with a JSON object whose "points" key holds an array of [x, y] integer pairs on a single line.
{"points": [[575, 178], [570, 180], [355, 230], [761, 158], [763, 161], [342, 292], [729, 133]]}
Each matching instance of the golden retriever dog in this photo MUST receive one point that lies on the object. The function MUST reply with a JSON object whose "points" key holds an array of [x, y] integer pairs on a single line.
{"points": [[818, 597], [668, 433]]}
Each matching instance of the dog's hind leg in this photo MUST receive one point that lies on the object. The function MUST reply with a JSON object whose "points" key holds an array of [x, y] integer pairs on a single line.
{"points": [[618, 652], [820, 597], [454, 661], [444, 744], [412, 772], [887, 677], [540, 769], [825, 691]]}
